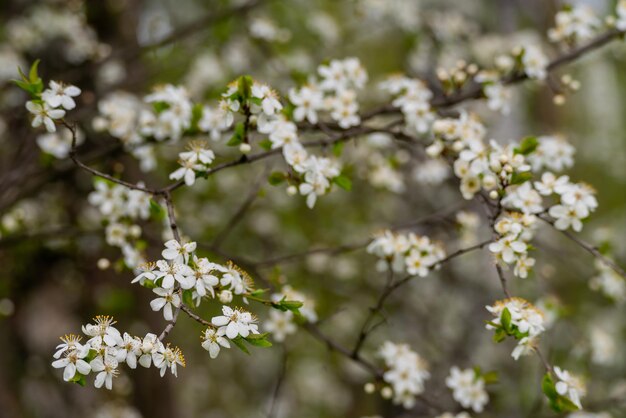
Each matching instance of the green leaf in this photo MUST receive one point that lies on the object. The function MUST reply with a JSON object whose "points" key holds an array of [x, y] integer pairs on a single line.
{"points": [[490, 377], [238, 135], [160, 106], [506, 320], [79, 378], [188, 297], [196, 115], [32, 75], [266, 144], [239, 343], [259, 340], [338, 148], [527, 146], [156, 211], [499, 336], [149, 284], [258, 292], [292, 305], [276, 177], [521, 177], [548, 388], [244, 86], [343, 181]]}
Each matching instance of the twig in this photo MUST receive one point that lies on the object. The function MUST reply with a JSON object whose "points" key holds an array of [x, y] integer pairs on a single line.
{"points": [[239, 214], [587, 247]]}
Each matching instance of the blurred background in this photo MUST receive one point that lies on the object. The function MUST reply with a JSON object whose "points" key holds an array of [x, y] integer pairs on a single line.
{"points": [[57, 271]]}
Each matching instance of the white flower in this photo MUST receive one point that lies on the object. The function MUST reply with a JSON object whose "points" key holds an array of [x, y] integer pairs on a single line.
{"points": [[508, 248], [44, 114], [467, 388], [280, 324], [578, 23], [168, 357], [620, 24], [535, 62], [107, 369], [168, 298], [73, 360], [177, 252], [570, 386], [567, 216], [524, 347], [174, 272], [147, 273], [308, 100], [213, 340], [60, 95], [523, 265], [150, 345], [270, 104], [103, 329], [236, 322], [187, 171], [129, 350], [498, 98], [198, 153], [407, 372]]}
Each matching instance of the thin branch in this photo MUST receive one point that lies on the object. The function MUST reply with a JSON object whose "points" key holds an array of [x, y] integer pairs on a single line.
{"points": [[591, 249], [191, 314], [170, 214], [279, 383], [240, 213]]}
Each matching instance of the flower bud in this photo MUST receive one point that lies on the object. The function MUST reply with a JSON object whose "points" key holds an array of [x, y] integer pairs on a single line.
{"points": [[245, 148], [226, 296]]}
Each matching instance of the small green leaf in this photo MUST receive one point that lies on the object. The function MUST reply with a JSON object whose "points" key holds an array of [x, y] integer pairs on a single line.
{"points": [[548, 388], [188, 297], [258, 292], [32, 75], [149, 284], [266, 144], [338, 148], [490, 377], [156, 211], [160, 106], [343, 181], [506, 320], [239, 343], [276, 177], [499, 336], [527, 146], [521, 177], [79, 378], [244, 86], [238, 135], [292, 305], [258, 340]]}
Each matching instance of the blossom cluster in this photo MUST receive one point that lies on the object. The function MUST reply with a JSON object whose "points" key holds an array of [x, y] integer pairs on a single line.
{"points": [[44, 23], [468, 388], [122, 208], [413, 98], [515, 230], [51, 104], [196, 159], [283, 323], [181, 268], [410, 253], [608, 282], [106, 349], [406, 372], [518, 318]]}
